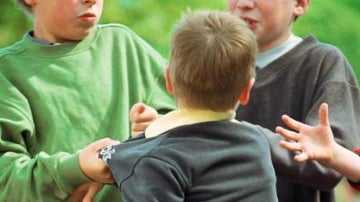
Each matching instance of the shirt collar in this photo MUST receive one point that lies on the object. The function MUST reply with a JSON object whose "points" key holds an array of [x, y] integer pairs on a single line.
{"points": [[265, 58], [30, 35], [182, 117]]}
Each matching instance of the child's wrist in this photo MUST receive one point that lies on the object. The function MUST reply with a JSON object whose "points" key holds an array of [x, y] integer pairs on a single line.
{"points": [[334, 154]]}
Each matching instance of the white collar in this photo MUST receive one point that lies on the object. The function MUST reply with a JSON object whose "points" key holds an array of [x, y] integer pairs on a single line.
{"points": [[182, 117], [266, 57]]}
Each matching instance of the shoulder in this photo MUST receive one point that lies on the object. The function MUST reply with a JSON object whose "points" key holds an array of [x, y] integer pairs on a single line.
{"points": [[122, 36], [113, 27], [116, 31], [143, 155], [317, 58], [13, 49], [256, 133], [311, 46]]}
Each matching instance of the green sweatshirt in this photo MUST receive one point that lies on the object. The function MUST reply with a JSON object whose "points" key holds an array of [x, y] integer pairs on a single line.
{"points": [[55, 100]]}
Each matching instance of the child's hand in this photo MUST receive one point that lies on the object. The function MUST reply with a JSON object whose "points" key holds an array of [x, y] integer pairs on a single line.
{"points": [[86, 192], [141, 116], [314, 143], [93, 166]]}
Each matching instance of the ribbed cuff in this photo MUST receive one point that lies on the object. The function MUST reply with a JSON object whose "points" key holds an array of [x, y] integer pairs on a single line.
{"points": [[71, 175]]}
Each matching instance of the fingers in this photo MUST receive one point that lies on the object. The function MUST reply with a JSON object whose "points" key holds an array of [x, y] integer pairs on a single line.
{"points": [[295, 146], [79, 193], [301, 157], [92, 166], [137, 108], [141, 116], [104, 175], [86, 192], [293, 124], [291, 146], [99, 144], [142, 113], [324, 115], [93, 190], [287, 134], [138, 128]]}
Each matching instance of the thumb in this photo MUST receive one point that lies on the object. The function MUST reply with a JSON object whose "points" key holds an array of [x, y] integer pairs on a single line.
{"points": [[99, 144], [137, 109], [324, 115], [140, 108]]}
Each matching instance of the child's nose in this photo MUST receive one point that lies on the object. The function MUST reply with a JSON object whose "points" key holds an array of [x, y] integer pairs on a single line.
{"points": [[89, 1], [245, 4]]}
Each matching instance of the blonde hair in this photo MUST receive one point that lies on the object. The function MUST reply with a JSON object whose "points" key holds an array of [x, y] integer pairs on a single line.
{"points": [[212, 60], [22, 4]]}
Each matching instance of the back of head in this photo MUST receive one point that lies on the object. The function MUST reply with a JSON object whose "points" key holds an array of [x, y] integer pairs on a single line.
{"points": [[212, 60]]}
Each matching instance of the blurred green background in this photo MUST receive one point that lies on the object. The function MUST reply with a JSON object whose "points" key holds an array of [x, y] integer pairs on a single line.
{"points": [[332, 21]]}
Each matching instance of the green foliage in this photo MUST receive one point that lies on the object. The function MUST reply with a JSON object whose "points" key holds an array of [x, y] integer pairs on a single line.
{"points": [[13, 23], [332, 21], [152, 19]]}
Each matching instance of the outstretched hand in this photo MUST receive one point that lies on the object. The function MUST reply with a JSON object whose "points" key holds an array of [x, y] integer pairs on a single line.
{"points": [[141, 116], [313, 142]]}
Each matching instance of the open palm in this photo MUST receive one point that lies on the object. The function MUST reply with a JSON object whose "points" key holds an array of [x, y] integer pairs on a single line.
{"points": [[313, 142]]}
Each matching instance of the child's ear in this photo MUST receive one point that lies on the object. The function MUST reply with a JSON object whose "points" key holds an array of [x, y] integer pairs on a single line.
{"points": [[301, 7], [168, 81], [30, 2], [245, 94]]}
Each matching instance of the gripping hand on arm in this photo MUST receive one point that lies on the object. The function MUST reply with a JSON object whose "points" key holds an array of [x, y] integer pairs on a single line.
{"points": [[94, 168], [92, 165]]}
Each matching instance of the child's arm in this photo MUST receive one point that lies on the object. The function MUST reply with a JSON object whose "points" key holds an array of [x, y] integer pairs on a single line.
{"points": [[317, 143], [92, 165], [141, 116]]}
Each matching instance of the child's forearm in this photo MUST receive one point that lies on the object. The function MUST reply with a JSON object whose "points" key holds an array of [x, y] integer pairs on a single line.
{"points": [[347, 163]]}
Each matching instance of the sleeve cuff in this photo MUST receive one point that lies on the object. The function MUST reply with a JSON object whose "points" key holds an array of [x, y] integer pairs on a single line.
{"points": [[71, 174]]}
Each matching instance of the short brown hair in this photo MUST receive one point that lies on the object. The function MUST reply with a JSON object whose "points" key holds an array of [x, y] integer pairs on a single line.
{"points": [[212, 60]]}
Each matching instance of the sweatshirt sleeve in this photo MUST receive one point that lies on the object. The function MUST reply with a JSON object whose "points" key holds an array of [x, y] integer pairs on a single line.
{"points": [[151, 179], [27, 176], [336, 85], [310, 173]]}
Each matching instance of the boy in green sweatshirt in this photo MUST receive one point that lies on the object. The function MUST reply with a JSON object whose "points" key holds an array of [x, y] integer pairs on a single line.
{"points": [[64, 85]]}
